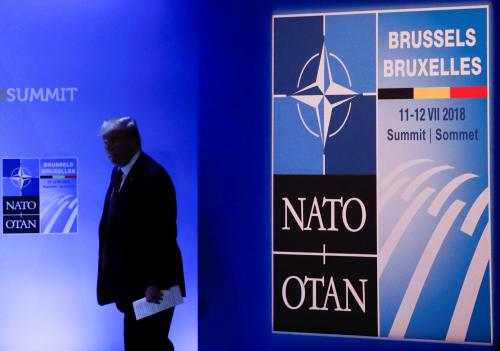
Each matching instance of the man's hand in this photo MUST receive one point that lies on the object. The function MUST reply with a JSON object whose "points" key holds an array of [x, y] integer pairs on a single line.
{"points": [[153, 294]]}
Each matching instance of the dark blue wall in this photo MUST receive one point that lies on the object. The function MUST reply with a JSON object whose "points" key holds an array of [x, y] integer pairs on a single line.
{"points": [[235, 181]]}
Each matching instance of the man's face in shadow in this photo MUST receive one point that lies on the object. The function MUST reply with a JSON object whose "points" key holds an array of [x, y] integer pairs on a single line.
{"points": [[120, 146]]}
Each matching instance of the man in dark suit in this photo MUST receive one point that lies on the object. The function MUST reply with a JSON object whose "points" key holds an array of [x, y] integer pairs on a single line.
{"points": [[138, 251]]}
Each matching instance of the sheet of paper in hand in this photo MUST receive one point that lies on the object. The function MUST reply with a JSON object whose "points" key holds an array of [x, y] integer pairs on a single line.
{"points": [[171, 298]]}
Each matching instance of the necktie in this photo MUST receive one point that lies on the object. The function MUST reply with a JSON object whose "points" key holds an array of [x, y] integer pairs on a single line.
{"points": [[117, 181]]}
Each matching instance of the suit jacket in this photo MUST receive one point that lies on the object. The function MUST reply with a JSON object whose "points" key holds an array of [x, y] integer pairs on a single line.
{"points": [[138, 247]]}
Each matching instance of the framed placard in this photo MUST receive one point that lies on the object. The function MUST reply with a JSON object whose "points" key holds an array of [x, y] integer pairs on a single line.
{"points": [[381, 174]]}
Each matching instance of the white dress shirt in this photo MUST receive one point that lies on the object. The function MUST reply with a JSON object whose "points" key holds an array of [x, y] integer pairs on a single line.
{"points": [[126, 169]]}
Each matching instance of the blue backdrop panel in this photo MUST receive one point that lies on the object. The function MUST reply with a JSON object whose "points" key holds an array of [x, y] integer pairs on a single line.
{"points": [[235, 183], [117, 58]]}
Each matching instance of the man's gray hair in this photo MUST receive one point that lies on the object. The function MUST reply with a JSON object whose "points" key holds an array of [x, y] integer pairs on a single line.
{"points": [[127, 124]]}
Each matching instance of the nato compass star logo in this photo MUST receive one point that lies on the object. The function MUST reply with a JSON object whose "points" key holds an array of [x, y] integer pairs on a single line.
{"points": [[325, 96], [20, 177]]}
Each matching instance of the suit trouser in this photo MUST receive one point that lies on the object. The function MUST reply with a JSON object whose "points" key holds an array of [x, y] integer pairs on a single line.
{"points": [[150, 333]]}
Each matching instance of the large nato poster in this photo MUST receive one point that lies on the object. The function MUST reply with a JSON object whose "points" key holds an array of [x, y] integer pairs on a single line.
{"points": [[381, 218]]}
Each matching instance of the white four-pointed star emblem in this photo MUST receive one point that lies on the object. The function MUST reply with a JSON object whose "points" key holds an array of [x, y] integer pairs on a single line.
{"points": [[20, 177], [324, 95]]}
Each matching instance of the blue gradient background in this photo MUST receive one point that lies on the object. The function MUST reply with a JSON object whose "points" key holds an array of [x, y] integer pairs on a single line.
{"points": [[126, 58], [235, 181]]}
